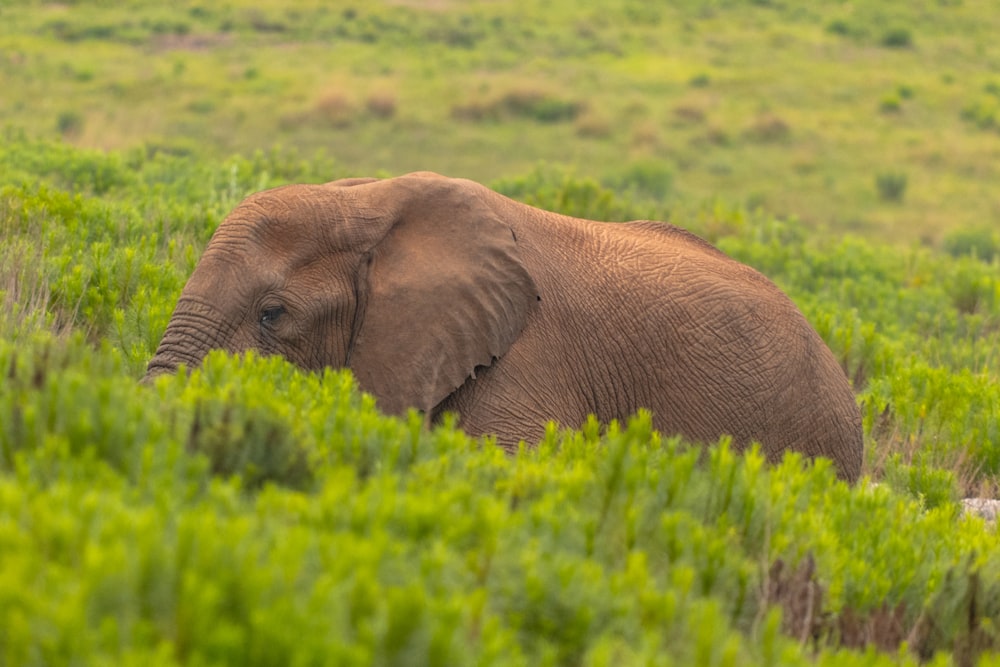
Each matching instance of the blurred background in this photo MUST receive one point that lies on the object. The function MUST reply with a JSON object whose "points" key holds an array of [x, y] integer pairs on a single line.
{"points": [[881, 119]]}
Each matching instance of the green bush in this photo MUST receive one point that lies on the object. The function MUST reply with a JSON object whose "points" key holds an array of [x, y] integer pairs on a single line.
{"points": [[557, 189], [891, 104], [526, 103], [415, 546], [983, 113], [891, 185], [650, 178], [897, 38], [982, 243], [69, 123]]}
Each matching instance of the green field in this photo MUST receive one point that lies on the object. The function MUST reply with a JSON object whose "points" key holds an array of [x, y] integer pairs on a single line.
{"points": [[255, 514], [807, 109]]}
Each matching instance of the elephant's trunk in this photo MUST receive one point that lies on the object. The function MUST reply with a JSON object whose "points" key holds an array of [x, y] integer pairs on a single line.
{"points": [[195, 328]]}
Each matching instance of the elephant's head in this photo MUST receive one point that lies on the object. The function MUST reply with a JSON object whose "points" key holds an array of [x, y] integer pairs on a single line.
{"points": [[411, 282]]}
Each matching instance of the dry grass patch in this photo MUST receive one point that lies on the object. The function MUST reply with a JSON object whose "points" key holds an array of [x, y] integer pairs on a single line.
{"points": [[334, 108], [381, 105], [528, 103]]}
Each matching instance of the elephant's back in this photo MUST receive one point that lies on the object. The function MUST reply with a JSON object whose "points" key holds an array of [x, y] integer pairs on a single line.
{"points": [[647, 315], [730, 339]]}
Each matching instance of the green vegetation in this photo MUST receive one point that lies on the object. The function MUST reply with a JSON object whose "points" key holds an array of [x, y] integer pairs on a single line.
{"points": [[250, 513], [205, 520], [795, 107]]}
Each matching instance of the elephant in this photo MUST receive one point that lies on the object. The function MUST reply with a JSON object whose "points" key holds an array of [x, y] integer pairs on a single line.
{"points": [[443, 295]]}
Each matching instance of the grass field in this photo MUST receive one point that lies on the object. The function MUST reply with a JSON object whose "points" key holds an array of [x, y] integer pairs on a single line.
{"points": [[255, 514], [880, 118]]}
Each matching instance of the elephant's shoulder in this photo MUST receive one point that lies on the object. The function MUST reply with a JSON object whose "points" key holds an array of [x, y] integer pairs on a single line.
{"points": [[673, 234]]}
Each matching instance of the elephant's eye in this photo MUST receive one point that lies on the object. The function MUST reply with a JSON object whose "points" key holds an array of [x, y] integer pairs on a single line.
{"points": [[269, 316]]}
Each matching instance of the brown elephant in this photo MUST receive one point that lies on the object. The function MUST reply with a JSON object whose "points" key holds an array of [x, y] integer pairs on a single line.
{"points": [[443, 295]]}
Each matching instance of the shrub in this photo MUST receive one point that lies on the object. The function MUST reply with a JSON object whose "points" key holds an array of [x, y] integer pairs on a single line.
{"points": [[540, 106], [891, 104], [689, 113], [700, 80], [594, 126], [645, 134], [651, 178], [897, 38], [840, 27], [528, 103], [981, 242], [69, 123], [462, 34], [973, 287], [203, 106], [768, 128], [555, 188], [984, 113], [381, 105], [334, 108], [891, 185]]}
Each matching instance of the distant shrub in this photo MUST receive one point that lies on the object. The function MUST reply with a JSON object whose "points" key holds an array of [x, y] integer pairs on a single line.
{"points": [[973, 287], [462, 32], [540, 106], [984, 113], [652, 178], [839, 27], [476, 111], [645, 134], [700, 80], [891, 185], [76, 31], [643, 13], [593, 125], [980, 242], [768, 128], [165, 27], [716, 136], [69, 123], [689, 113], [529, 103], [891, 104], [557, 189], [260, 21], [334, 108], [203, 106], [381, 105], [897, 37], [81, 74]]}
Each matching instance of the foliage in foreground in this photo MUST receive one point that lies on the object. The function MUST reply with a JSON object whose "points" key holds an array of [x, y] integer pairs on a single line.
{"points": [[205, 520], [130, 535]]}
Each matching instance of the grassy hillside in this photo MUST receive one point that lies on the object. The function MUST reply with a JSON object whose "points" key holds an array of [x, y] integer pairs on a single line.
{"points": [[254, 514], [876, 117]]}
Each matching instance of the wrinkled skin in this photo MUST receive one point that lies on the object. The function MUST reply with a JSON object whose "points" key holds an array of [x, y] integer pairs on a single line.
{"points": [[443, 295]]}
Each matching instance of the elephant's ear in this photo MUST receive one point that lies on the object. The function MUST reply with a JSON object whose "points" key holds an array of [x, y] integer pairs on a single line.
{"points": [[445, 292]]}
